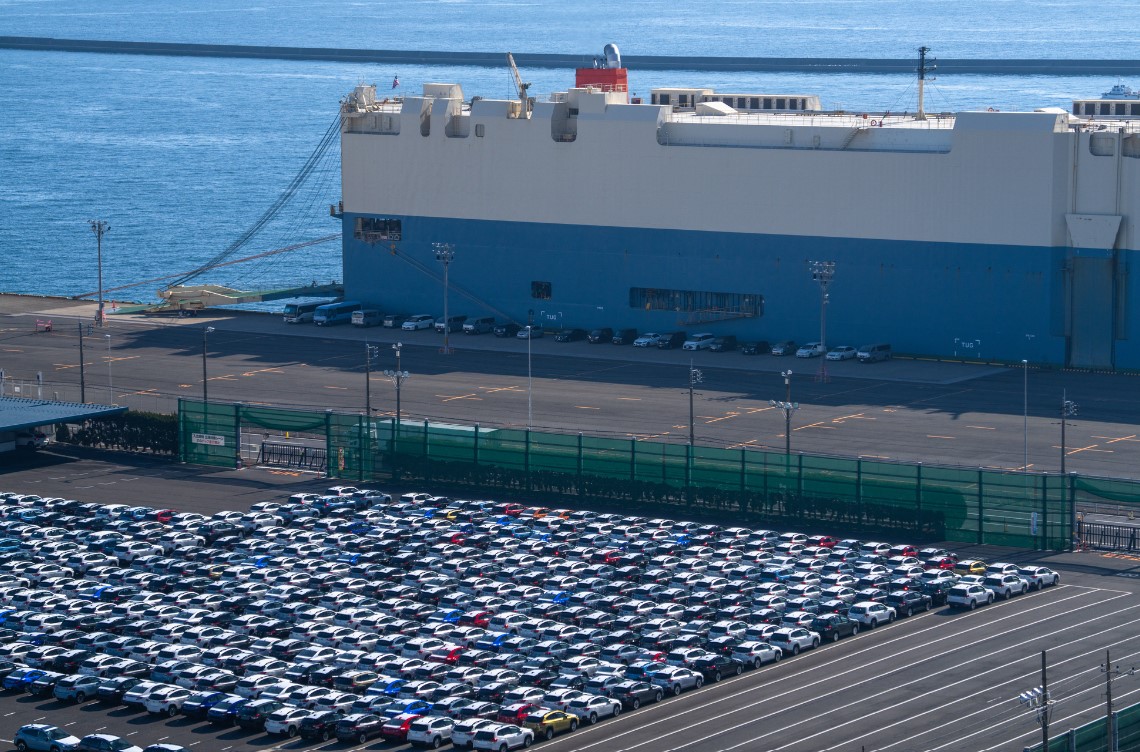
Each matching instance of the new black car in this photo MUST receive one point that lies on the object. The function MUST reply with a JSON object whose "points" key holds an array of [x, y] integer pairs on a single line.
{"points": [[632, 694], [507, 329], [359, 727], [571, 335], [936, 592], [833, 626], [252, 714], [760, 347], [197, 705], [320, 726], [716, 667], [605, 334], [111, 691], [907, 602], [723, 344]]}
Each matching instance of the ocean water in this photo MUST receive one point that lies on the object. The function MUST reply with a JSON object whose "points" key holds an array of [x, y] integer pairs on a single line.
{"points": [[181, 156]]}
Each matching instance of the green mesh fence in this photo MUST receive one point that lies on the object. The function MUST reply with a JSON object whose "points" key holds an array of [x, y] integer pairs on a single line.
{"points": [[1093, 736], [957, 504]]}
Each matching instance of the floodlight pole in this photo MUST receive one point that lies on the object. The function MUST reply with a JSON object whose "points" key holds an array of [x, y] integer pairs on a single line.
{"points": [[695, 377], [445, 254], [370, 351], [529, 372], [205, 379], [397, 378], [82, 368], [822, 272], [1025, 415], [110, 381], [99, 227], [788, 407]]}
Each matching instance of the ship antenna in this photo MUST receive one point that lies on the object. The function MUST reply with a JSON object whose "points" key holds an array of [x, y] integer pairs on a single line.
{"points": [[923, 69]]}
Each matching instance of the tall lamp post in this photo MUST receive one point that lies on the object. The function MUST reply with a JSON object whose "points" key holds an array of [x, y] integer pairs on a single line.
{"points": [[1068, 410], [370, 351], [82, 368], [397, 378], [445, 254], [205, 379], [110, 381], [788, 407], [99, 227], [1025, 416], [822, 272], [695, 377], [529, 377]]}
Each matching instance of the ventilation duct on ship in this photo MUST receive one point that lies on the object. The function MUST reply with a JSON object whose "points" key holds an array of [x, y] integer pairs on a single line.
{"points": [[613, 55]]}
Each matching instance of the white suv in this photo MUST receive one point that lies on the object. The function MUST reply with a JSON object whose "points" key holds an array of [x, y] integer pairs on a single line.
{"points": [[1039, 577], [1005, 585], [463, 732], [419, 321], [871, 613], [590, 709], [166, 701], [501, 737], [794, 639], [700, 341], [756, 653], [429, 731], [969, 596]]}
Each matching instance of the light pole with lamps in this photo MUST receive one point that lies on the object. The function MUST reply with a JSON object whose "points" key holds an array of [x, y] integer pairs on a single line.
{"points": [[1025, 416], [822, 272], [788, 407], [695, 377], [110, 381], [445, 254], [529, 377], [99, 227], [1068, 410], [205, 379], [397, 378], [370, 351]]}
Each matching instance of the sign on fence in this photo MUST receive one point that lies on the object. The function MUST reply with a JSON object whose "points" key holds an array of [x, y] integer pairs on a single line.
{"points": [[206, 438]]}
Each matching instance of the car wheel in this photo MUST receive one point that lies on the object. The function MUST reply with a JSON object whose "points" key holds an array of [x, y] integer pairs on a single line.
{"points": [[756, 663], [909, 611], [815, 643], [973, 604], [779, 656], [891, 617], [635, 704], [549, 734], [81, 697], [292, 731], [700, 682], [362, 738], [990, 599], [593, 718], [527, 741], [835, 637], [1023, 589], [502, 748], [172, 711], [874, 623], [22, 746], [854, 629], [324, 736], [574, 725], [716, 676], [795, 649], [739, 670], [676, 689], [617, 710]]}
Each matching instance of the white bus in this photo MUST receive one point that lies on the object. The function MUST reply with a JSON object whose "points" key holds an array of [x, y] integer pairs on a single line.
{"points": [[336, 313]]}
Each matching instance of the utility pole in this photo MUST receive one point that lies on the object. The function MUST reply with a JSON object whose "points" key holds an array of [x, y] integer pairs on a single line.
{"points": [[82, 368], [370, 351], [1068, 410], [397, 378], [1108, 730], [695, 377], [923, 69], [822, 272], [788, 407], [99, 227], [1038, 698], [205, 380], [445, 254]]}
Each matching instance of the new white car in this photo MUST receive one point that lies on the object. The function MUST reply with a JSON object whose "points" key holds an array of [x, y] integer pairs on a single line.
{"points": [[166, 701], [794, 639], [871, 613], [754, 653], [673, 679], [285, 721], [501, 737], [430, 731], [419, 321], [810, 350], [1039, 577], [463, 732], [1005, 586], [969, 596], [843, 352], [590, 709], [649, 339], [701, 341]]}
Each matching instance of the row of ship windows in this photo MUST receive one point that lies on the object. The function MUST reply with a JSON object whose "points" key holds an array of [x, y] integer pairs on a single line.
{"points": [[740, 103], [1120, 109]]}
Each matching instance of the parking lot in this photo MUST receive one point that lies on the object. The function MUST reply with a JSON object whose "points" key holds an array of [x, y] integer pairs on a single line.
{"points": [[942, 679]]}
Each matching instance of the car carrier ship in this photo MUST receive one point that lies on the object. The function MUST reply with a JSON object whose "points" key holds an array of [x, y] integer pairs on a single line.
{"points": [[1004, 236]]}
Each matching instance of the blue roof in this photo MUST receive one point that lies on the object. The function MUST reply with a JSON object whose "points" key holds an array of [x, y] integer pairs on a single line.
{"points": [[17, 413]]}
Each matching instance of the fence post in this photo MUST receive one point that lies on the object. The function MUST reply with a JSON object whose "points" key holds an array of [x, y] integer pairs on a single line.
{"points": [[1045, 512], [743, 471], [237, 434], [181, 431], [329, 453], [633, 461], [526, 460], [859, 485], [424, 450], [981, 506], [800, 475], [475, 447], [579, 463], [360, 452]]}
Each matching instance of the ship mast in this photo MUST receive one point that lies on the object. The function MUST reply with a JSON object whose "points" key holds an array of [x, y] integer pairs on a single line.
{"points": [[923, 69]]}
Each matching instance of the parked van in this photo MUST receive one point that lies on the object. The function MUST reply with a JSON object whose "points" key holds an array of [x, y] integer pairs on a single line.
{"points": [[454, 324], [395, 320], [872, 353], [335, 313], [367, 317], [624, 336], [481, 325]]}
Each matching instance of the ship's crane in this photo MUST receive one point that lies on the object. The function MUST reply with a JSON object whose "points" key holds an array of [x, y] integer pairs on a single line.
{"points": [[520, 87]]}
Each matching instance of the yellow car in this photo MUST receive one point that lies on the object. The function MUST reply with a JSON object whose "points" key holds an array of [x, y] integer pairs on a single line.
{"points": [[970, 566], [546, 723]]}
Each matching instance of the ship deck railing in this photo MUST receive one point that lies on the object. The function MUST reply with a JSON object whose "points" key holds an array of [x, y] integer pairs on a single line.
{"points": [[820, 119]]}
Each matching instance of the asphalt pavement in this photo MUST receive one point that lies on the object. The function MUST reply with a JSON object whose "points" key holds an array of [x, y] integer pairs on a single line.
{"points": [[974, 415]]}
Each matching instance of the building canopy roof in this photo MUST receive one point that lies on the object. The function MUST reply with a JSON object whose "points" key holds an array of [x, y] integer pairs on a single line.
{"points": [[17, 413]]}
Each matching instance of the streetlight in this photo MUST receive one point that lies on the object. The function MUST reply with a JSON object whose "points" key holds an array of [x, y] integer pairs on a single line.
{"points": [[822, 272], [788, 407], [99, 227], [695, 377], [445, 254], [205, 380], [82, 368], [1025, 415], [370, 352], [529, 377], [397, 378], [110, 383]]}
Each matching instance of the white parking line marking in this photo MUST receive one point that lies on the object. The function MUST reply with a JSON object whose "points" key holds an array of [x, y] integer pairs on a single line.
{"points": [[37, 720], [956, 638], [131, 733]]}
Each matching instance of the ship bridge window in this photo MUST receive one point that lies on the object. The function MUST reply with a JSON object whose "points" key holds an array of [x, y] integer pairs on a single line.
{"points": [[373, 230], [540, 290], [1090, 108], [662, 98], [792, 103], [1135, 109], [767, 103], [754, 103], [683, 100], [741, 103], [713, 305], [1104, 108], [781, 104]]}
